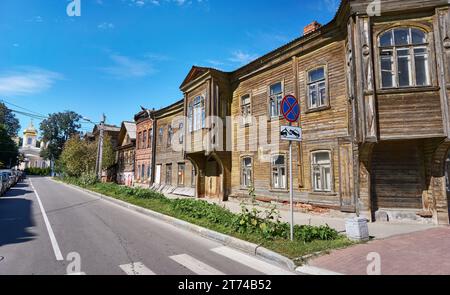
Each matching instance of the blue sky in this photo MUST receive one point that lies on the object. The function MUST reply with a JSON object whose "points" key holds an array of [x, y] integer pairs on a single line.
{"points": [[120, 54]]}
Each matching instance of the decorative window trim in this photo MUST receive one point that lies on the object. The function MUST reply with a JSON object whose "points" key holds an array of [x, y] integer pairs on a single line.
{"points": [[430, 76], [243, 122], [272, 118], [311, 161], [327, 104], [286, 161], [252, 178]]}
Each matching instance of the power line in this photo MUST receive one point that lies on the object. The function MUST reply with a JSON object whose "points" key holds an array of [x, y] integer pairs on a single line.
{"points": [[25, 109]]}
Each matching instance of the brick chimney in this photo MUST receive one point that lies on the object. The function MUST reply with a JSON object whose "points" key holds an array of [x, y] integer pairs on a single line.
{"points": [[314, 26]]}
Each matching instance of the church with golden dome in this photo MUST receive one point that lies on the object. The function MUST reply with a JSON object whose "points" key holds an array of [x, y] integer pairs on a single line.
{"points": [[31, 150]]}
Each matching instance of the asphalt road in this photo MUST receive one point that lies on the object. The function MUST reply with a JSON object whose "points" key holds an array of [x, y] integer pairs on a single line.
{"points": [[47, 228]]}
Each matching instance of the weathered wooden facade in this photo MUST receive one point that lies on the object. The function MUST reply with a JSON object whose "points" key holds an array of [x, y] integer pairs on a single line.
{"points": [[374, 87], [172, 172], [126, 153], [144, 149]]}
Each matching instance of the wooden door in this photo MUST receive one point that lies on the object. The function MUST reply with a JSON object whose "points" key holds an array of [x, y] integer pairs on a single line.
{"points": [[212, 179]]}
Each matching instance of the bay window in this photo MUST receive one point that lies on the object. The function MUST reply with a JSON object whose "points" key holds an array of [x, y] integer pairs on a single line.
{"points": [[404, 59], [197, 114]]}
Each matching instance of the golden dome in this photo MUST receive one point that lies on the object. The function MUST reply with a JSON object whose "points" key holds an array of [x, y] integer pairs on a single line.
{"points": [[30, 130]]}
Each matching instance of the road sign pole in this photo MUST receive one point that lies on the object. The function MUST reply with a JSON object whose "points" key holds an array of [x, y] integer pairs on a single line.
{"points": [[291, 112], [291, 190]]}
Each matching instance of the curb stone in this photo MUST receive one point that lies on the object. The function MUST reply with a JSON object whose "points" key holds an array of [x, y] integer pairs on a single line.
{"points": [[226, 240], [316, 271]]}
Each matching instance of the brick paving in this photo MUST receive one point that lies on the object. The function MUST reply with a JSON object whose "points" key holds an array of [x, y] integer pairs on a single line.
{"points": [[420, 253]]}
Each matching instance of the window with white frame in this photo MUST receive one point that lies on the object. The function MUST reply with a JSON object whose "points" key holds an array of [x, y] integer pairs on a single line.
{"points": [[181, 131], [275, 98], [317, 88], [160, 135], [246, 172], [169, 135], [321, 171], [197, 114], [246, 111], [404, 60], [279, 172]]}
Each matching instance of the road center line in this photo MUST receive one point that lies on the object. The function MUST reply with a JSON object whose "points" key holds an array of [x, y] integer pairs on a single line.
{"points": [[53, 240]]}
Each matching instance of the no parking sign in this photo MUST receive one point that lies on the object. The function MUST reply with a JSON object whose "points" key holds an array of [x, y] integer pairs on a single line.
{"points": [[290, 108]]}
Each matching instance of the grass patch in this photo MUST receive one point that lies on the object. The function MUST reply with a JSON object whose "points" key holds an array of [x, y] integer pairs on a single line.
{"points": [[262, 228]]}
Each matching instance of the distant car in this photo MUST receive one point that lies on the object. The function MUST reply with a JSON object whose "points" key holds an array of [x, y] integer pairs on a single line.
{"points": [[5, 181], [10, 177]]}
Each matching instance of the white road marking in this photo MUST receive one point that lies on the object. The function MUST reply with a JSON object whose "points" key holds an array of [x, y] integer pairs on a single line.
{"points": [[136, 269], [195, 265], [77, 274], [53, 240], [251, 262]]}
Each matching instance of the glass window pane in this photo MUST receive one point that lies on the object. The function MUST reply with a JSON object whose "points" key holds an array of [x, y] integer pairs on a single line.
{"points": [[321, 158], [404, 68], [275, 89], [401, 37], [421, 61], [387, 74], [316, 75], [313, 96], [278, 160], [418, 36], [326, 179], [386, 39]]}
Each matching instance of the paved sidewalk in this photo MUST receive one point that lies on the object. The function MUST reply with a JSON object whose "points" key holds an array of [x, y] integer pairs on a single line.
{"points": [[420, 253], [378, 230]]}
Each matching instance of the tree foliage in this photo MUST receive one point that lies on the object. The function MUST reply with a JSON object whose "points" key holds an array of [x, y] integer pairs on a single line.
{"points": [[9, 152], [9, 120], [56, 130], [79, 156]]}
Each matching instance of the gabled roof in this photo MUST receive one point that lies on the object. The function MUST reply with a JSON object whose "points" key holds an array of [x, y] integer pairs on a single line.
{"points": [[196, 72], [127, 128], [130, 128]]}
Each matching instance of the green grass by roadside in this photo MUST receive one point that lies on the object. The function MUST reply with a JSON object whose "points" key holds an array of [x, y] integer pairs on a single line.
{"points": [[265, 231]]}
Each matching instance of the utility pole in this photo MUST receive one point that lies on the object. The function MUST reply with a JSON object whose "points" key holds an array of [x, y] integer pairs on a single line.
{"points": [[99, 163]]}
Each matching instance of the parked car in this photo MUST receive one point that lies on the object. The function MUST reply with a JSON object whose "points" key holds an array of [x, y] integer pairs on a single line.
{"points": [[2, 185], [10, 176], [5, 181]]}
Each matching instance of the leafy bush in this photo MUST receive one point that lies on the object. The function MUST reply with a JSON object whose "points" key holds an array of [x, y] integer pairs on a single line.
{"points": [[203, 210], [87, 179], [38, 171]]}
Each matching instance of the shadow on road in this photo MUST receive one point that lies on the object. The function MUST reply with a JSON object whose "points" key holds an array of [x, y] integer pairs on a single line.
{"points": [[15, 216]]}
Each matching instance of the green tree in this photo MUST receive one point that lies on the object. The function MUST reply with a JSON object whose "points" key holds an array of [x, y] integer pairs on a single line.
{"points": [[56, 130], [9, 120], [79, 156], [9, 152]]}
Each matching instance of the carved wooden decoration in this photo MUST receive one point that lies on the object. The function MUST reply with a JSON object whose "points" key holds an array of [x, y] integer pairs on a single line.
{"points": [[368, 79]]}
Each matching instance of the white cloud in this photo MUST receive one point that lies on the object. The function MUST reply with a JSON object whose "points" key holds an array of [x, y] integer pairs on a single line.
{"points": [[242, 58], [27, 81], [105, 26], [126, 67]]}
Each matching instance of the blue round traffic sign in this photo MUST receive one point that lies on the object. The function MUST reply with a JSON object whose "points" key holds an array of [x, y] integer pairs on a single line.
{"points": [[290, 108]]}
